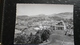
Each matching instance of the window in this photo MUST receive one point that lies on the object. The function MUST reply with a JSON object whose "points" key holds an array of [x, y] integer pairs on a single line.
{"points": [[60, 28]]}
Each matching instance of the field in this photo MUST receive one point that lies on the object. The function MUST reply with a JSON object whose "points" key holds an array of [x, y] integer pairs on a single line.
{"points": [[58, 38]]}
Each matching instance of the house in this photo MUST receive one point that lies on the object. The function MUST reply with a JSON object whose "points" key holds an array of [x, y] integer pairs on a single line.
{"points": [[59, 25]]}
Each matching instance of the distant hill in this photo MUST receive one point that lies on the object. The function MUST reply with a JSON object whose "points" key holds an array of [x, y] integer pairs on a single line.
{"points": [[23, 16], [66, 15], [27, 21], [42, 17]]}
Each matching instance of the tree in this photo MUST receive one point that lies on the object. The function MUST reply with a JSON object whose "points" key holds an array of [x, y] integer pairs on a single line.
{"points": [[45, 35]]}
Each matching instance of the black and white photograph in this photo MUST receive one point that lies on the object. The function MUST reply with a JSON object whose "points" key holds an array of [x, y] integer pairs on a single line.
{"points": [[44, 24]]}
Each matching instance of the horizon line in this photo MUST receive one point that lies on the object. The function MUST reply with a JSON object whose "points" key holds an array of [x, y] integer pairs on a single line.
{"points": [[43, 14]]}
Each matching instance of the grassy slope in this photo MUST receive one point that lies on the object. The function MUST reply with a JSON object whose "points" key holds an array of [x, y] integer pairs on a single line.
{"points": [[58, 38]]}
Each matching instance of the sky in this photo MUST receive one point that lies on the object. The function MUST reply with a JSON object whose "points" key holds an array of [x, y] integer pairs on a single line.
{"points": [[47, 9]]}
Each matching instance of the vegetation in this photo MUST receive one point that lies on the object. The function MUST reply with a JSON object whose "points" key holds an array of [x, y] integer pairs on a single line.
{"points": [[26, 24], [38, 38]]}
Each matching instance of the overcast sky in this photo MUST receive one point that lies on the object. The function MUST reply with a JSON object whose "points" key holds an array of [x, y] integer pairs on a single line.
{"points": [[47, 9]]}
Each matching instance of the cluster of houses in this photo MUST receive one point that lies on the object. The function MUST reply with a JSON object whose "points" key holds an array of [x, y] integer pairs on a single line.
{"points": [[52, 24], [56, 25]]}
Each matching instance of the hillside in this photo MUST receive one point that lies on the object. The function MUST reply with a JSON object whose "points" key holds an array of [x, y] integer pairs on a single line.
{"points": [[26, 25], [28, 20], [66, 15]]}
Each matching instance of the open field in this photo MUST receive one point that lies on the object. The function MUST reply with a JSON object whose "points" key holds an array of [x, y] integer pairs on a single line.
{"points": [[58, 38]]}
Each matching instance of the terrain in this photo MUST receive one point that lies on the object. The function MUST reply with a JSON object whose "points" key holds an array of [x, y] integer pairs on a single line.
{"points": [[25, 25], [58, 38]]}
